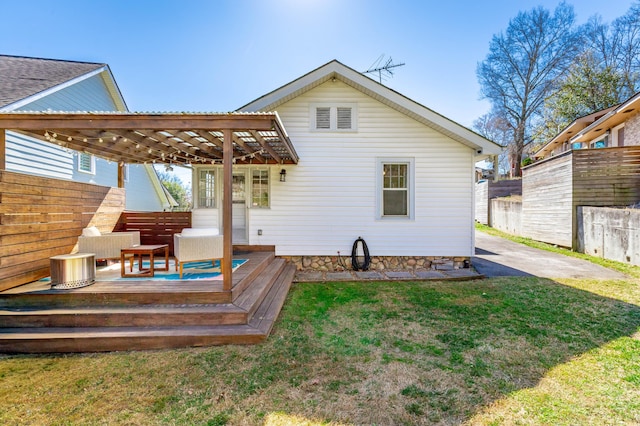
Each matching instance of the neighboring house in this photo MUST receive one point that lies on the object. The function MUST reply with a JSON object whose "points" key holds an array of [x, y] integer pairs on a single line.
{"points": [[373, 163], [612, 127], [35, 84]]}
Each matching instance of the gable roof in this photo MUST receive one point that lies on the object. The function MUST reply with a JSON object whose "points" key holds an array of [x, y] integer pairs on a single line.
{"points": [[372, 88], [24, 79]]}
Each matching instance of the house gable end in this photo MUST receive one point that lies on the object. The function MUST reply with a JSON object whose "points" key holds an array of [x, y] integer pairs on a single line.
{"points": [[334, 70]]}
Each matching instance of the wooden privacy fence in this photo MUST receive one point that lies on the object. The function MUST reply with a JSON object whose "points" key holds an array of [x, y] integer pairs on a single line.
{"points": [[43, 217], [554, 188], [155, 227]]}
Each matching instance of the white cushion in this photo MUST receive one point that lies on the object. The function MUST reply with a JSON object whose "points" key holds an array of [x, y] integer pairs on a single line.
{"points": [[91, 231], [198, 232]]}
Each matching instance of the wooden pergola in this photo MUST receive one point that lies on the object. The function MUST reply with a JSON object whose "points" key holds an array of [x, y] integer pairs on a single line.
{"points": [[164, 138]]}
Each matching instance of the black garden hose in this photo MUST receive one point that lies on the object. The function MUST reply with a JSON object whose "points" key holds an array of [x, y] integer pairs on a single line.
{"points": [[355, 263]]}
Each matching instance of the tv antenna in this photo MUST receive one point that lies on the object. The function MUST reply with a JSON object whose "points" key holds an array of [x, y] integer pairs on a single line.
{"points": [[384, 69]]}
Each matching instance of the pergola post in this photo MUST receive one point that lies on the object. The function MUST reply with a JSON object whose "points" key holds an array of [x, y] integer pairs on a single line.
{"points": [[3, 150], [227, 206], [120, 175], [496, 168]]}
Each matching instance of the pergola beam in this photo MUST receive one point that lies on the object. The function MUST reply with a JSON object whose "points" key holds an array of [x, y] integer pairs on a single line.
{"points": [[44, 121]]}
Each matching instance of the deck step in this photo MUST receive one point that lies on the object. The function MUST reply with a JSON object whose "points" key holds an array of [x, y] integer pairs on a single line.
{"points": [[266, 315], [113, 317], [140, 316], [252, 297], [106, 339]]}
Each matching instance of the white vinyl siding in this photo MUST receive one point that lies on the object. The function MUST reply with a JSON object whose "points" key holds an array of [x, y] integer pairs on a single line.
{"points": [[329, 198]]}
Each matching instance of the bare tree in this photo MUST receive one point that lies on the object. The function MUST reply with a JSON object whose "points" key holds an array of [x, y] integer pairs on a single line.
{"points": [[523, 67], [496, 128], [616, 47]]}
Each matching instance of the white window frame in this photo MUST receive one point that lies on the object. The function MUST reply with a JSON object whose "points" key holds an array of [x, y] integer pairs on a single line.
{"points": [[92, 161], [214, 197], [333, 116], [614, 135], [410, 163], [251, 171]]}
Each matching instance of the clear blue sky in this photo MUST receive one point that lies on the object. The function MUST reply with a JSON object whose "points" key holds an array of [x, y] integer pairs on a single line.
{"points": [[215, 56]]}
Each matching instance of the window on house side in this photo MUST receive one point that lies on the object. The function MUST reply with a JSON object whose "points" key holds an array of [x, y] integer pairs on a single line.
{"points": [[207, 189], [395, 191], [395, 188], [260, 188], [86, 163]]}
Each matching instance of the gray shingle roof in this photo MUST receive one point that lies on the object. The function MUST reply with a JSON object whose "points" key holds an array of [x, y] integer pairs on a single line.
{"points": [[21, 77]]}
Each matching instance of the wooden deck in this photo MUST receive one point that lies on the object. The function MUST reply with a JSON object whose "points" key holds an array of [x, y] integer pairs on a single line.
{"points": [[146, 314]]}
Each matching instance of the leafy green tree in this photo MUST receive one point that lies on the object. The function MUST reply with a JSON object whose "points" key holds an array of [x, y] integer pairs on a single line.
{"points": [[588, 87], [523, 68], [177, 189]]}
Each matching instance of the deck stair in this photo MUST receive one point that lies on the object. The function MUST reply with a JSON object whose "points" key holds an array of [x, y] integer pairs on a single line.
{"points": [[147, 315]]}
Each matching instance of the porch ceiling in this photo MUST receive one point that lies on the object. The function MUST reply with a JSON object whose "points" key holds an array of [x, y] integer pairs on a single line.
{"points": [[178, 138]]}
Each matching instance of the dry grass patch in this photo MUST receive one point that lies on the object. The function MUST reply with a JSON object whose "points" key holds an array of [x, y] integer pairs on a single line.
{"points": [[410, 353]]}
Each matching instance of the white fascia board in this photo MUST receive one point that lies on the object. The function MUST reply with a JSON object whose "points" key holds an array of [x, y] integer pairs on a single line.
{"points": [[53, 89], [114, 90], [335, 69]]}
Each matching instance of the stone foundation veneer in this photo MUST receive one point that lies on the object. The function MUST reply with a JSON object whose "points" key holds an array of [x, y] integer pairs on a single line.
{"points": [[378, 263]]}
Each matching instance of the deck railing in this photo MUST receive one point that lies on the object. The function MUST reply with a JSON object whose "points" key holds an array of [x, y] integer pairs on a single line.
{"points": [[155, 227]]}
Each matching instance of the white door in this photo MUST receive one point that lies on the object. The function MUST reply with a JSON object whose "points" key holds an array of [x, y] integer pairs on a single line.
{"points": [[239, 210]]}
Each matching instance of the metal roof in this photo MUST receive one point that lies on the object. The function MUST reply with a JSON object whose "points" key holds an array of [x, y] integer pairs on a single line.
{"points": [[146, 138]]}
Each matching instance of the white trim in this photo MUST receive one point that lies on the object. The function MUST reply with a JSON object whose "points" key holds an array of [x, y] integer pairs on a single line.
{"points": [[92, 165], [614, 135], [410, 162]]}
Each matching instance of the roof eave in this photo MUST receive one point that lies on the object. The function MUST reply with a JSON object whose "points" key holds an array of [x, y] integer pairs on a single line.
{"points": [[389, 97]]}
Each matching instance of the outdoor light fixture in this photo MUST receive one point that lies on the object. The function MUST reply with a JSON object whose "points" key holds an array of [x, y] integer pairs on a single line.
{"points": [[283, 175]]}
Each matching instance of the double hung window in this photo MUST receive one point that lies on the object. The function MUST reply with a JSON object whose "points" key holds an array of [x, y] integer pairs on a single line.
{"points": [[395, 188]]}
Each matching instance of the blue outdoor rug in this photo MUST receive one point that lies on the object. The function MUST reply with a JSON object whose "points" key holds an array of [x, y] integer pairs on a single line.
{"points": [[191, 271]]}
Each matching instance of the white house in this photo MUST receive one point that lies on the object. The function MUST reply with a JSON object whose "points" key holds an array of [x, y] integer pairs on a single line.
{"points": [[372, 163], [36, 84]]}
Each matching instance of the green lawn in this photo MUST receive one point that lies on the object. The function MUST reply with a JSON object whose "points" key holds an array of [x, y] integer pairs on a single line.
{"points": [[495, 351]]}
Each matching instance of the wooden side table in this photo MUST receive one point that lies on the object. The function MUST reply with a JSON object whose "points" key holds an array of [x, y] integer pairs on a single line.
{"points": [[140, 251]]}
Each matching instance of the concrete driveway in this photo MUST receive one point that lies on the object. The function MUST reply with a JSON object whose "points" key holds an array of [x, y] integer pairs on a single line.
{"points": [[497, 257]]}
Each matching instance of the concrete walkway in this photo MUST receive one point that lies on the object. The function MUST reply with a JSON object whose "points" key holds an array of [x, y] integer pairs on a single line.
{"points": [[497, 257], [442, 274]]}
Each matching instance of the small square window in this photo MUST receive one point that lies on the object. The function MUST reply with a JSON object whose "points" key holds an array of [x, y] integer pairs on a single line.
{"points": [[86, 163]]}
